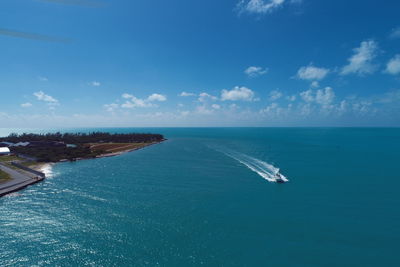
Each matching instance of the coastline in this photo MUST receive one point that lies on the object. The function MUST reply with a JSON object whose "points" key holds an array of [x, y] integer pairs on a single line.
{"points": [[25, 179], [19, 180], [17, 187], [112, 154], [43, 167], [106, 155]]}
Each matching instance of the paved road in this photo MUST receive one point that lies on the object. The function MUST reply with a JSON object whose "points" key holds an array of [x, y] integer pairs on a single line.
{"points": [[19, 180]]}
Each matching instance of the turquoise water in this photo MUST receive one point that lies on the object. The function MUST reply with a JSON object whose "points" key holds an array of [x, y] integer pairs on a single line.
{"points": [[191, 201]]}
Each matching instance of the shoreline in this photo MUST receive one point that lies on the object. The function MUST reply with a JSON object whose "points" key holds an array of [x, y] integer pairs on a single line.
{"points": [[17, 187], [19, 180], [107, 155], [126, 151], [14, 184], [42, 166]]}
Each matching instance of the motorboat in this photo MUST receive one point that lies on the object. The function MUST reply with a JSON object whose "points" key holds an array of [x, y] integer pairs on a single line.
{"points": [[279, 179]]}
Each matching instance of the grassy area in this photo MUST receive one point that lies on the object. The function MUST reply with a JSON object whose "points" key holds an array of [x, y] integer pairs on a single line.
{"points": [[28, 163], [53, 147], [8, 158], [4, 176], [116, 147], [55, 154]]}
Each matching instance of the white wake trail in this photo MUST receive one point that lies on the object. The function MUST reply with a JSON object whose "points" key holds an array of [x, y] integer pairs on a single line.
{"points": [[262, 168]]}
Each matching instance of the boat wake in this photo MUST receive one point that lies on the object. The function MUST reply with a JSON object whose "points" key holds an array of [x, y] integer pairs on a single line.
{"points": [[262, 168]]}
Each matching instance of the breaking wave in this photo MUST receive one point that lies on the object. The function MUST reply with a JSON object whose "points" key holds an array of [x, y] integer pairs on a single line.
{"points": [[47, 169], [262, 168]]}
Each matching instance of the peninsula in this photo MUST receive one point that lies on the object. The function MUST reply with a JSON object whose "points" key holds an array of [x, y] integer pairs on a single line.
{"points": [[21, 154], [55, 147]]}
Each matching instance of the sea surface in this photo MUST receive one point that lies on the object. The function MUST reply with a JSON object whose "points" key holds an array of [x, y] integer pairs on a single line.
{"points": [[207, 197]]}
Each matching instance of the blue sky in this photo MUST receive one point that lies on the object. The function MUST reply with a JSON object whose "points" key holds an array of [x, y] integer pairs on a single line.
{"points": [[78, 63]]}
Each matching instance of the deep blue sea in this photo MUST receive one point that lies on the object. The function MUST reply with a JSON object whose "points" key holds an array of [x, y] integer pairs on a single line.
{"points": [[203, 198]]}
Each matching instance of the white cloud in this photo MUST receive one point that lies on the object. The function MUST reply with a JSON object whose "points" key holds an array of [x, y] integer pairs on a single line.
{"points": [[134, 102], [43, 79], [312, 73], [325, 96], [393, 66], [259, 6], [95, 83], [324, 110], [46, 98], [26, 105], [203, 110], [291, 98], [254, 71], [307, 96], [274, 111], [361, 62], [343, 106], [203, 97], [395, 33], [157, 97], [185, 94], [305, 110], [111, 107], [315, 84], [237, 94], [185, 113], [233, 106], [271, 108], [127, 96], [215, 106], [390, 97], [275, 95], [362, 107]]}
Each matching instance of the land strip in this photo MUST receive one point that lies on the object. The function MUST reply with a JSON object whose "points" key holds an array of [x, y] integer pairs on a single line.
{"points": [[19, 180], [20, 166], [4, 176], [115, 149]]}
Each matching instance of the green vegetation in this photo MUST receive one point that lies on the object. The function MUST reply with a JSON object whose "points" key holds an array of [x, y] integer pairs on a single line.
{"points": [[28, 163], [54, 154], [8, 158], [43, 149], [116, 147], [83, 138], [4, 176]]}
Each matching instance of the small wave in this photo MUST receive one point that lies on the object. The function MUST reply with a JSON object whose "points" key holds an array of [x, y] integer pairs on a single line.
{"points": [[262, 168], [47, 169], [85, 195]]}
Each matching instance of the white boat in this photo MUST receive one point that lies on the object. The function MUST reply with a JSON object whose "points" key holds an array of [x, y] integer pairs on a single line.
{"points": [[279, 179]]}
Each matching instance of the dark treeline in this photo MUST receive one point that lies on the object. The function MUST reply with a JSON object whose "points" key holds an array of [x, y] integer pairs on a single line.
{"points": [[82, 138], [54, 154]]}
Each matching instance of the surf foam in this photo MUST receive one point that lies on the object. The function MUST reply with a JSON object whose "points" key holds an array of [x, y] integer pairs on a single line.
{"points": [[47, 169]]}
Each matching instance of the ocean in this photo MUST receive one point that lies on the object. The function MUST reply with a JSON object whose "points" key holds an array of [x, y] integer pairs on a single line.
{"points": [[205, 197]]}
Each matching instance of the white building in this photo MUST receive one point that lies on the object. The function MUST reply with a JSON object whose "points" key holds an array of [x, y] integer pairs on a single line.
{"points": [[21, 144], [4, 151]]}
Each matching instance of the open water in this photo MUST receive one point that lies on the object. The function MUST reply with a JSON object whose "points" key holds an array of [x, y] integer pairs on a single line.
{"points": [[207, 197]]}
